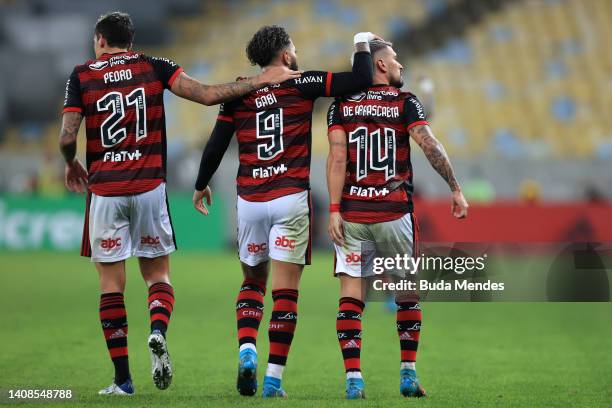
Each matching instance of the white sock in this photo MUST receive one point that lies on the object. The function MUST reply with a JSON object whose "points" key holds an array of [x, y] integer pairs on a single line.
{"points": [[404, 365], [275, 370], [353, 374], [248, 346]]}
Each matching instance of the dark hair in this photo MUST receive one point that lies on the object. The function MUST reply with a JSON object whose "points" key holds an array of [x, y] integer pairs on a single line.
{"points": [[377, 45], [117, 28], [266, 44]]}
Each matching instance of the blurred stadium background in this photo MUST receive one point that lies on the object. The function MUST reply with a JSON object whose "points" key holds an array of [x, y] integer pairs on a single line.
{"points": [[519, 91]]}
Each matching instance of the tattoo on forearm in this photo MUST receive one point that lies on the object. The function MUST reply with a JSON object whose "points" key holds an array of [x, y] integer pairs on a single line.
{"points": [[435, 153], [71, 122], [214, 94]]}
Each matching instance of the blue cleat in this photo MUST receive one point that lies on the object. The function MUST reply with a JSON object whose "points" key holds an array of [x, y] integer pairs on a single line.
{"points": [[272, 388], [390, 304], [124, 389], [409, 384], [354, 388], [247, 373]]}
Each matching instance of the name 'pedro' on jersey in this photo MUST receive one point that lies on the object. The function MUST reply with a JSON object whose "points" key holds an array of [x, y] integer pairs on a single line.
{"points": [[121, 97]]}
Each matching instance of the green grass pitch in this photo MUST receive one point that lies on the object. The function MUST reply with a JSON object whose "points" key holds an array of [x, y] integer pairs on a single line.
{"points": [[471, 354]]}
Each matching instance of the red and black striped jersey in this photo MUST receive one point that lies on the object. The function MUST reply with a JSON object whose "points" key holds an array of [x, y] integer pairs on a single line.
{"points": [[273, 129], [378, 185], [121, 97]]}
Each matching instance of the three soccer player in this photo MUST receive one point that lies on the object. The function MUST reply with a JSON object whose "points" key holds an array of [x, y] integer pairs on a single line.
{"points": [[120, 94], [369, 176], [273, 129]]}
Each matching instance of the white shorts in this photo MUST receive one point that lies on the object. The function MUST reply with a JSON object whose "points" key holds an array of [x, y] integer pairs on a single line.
{"points": [[123, 226], [388, 239], [277, 229]]}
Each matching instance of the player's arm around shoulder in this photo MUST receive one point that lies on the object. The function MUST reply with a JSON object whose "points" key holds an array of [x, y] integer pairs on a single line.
{"points": [[194, 90]]}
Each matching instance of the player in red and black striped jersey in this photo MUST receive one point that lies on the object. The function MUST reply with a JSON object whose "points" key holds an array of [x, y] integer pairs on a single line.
{"points": [[369, 176], [120, 94], [273, 129]]}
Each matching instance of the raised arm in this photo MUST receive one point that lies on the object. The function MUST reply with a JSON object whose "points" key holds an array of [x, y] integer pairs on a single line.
{"points": [[211, 158], [75, 175], [316, 84], [435, 153], [192, 89]]}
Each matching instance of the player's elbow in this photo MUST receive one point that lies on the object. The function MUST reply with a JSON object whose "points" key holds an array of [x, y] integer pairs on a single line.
{"points": [[67, 140], [209, 99], [337, 161]]}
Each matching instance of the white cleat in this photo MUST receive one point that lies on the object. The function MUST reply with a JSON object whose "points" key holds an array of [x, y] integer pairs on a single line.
{"points": [[161, 367], [124, 389]]}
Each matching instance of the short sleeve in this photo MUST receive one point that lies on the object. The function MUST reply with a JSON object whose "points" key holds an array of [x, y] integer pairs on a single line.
{"points": [[166, 70], [334, 121], [72, 98], [314, 84], [414, 112], [226, 112]]}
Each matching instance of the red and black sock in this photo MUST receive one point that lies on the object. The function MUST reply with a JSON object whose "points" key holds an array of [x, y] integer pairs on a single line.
{"points": [[348, 327], [161, 303], [114, 324], [249, 310], [282, 325], [408, 329]]}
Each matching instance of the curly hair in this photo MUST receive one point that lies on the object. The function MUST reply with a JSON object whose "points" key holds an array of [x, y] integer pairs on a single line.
{"points": [[266, 43]]}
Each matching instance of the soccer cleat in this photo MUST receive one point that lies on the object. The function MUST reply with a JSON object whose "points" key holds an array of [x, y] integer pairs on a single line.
{"points": [[161, 367], [354, 388], [247, 373], [409, 384], [124, 389], [272, 388]]}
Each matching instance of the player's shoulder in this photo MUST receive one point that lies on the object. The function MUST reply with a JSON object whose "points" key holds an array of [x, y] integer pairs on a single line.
{"points": [[407, 95], [307, 77], [411, 99], [153, 59], [107, 61]]}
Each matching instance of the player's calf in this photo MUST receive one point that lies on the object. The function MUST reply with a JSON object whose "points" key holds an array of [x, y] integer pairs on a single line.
{"points": [[348, 329], [282, 327], [249, 311], [409, 318], [161, 304], [113, 318]]}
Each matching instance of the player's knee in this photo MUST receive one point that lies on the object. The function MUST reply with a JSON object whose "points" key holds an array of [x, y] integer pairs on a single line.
{"points": [[258, 272]]}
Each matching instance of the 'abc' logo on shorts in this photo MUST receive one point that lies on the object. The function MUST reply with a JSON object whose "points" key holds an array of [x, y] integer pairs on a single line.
{"points": [[353, 258], [284, 242], [149, 240], [110, 243], [255, 248]]}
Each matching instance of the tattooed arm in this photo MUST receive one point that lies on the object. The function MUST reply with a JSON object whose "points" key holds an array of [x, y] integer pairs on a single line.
{"points": [[192, 89], [435, 153], [75, 174]]}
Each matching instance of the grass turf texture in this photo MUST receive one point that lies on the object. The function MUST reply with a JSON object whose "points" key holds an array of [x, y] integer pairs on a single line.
{"points": [[471, 354]]}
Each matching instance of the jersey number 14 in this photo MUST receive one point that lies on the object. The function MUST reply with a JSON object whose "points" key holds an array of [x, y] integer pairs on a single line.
{"points": [[375, 151]]}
